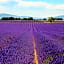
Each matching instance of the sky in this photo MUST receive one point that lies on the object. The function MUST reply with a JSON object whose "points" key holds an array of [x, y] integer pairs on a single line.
{"points": [[33, 8]]}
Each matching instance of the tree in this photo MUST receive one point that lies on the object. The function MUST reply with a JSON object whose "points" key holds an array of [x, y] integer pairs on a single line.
{"points": [[17, 18], [30, 18], [44, 19], [25, 19], [58, 19], [51, 19], [4, 18], [11, 18]]}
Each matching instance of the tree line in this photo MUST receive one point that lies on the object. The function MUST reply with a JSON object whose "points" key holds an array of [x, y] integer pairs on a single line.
{"points": [[51, 19], [13, 18]]}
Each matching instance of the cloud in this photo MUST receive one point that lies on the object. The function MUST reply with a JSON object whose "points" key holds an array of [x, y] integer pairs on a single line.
{"points": [[32, 4], [4, 1], [4, 9], [50, 9], [21, 3], [59, 7]]}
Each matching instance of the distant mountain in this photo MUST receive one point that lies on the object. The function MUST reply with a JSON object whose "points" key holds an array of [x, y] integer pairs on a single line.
{"points": [[61, 16], [10, 15], [7, 15]]}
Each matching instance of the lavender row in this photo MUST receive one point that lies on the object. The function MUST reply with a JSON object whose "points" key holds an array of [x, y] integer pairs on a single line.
{"points": [[49, 50]]}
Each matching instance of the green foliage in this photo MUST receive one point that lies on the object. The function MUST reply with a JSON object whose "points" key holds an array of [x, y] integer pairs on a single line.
{"points": [[7, 18], [24, 19], [30, 18], [4, 18], [17, 18], [51, 19], [10, 18], [44, 19], [58, 19]]}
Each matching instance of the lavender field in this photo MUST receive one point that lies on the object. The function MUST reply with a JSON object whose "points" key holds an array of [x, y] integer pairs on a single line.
{"points": [[30, 42]]}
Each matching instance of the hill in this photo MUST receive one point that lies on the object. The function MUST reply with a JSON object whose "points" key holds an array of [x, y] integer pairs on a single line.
{"points": [[61, 16], [10, 15]]}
